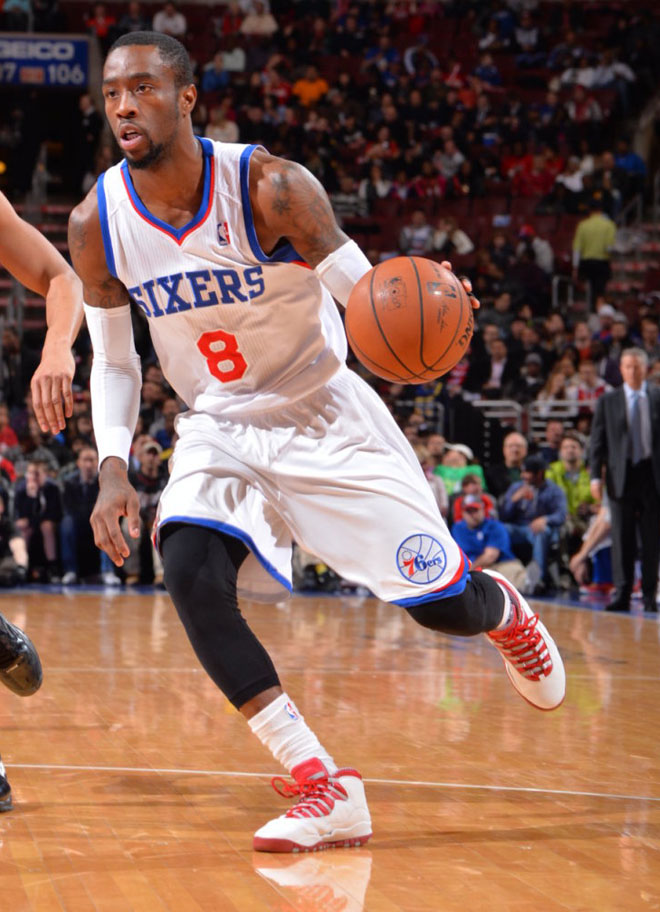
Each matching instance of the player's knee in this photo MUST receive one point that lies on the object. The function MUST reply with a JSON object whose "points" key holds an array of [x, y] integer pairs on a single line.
{"points": [[450, 615], [477, 609], [199, 577]]}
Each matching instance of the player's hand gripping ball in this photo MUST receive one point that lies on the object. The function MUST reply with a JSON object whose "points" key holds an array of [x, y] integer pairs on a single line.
{"points": [[409, 320]]}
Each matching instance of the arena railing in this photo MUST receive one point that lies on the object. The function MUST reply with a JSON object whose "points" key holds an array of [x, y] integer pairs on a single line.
{"points": [[541, 411], [507, 411]]}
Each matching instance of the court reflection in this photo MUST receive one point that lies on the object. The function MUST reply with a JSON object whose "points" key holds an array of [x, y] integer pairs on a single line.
{"points": [[330, 881]]}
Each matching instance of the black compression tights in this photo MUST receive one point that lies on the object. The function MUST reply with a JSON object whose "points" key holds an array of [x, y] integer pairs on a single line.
{"points": [[476, 610], [201, 566]]}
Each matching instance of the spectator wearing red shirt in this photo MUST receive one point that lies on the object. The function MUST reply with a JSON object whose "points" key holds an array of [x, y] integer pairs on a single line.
{"points": [[8, 436], [536, 180], [590, 386], [101, 25]]}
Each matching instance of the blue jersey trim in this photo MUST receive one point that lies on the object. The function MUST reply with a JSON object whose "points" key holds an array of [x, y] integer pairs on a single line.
{"points": [[284, 254], [455, 589], [235, 533], [105, 227], [176, 233]]}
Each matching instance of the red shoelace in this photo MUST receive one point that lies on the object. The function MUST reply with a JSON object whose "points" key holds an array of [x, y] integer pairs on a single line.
{"points": [[524, 647], [317, 796]]}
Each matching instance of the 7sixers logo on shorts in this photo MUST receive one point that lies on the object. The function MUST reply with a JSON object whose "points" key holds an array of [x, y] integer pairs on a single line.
{"points": [[421, 559]]}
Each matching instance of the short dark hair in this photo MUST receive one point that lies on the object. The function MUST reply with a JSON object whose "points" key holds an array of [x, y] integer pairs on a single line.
{"points": [[172, 53], [575, 436]]}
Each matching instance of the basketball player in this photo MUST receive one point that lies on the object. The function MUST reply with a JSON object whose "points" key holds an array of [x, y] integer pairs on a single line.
{"points": [[33, 260], [234, 257]]}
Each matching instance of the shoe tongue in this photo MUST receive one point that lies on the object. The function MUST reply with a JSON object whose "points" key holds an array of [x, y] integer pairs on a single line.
{"points": [[309, 770]]}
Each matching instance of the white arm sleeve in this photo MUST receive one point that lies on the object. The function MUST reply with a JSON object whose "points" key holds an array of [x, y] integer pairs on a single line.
{"points": [[341, 269], [116, 380]]}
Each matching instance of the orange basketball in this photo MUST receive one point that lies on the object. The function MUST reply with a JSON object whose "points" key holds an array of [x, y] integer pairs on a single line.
{"points": [[409, 320]]}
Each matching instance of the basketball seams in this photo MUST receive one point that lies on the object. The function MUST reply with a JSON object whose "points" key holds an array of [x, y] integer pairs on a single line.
{"points": [[420, 297], [380, 328], [400, 326], [459, 325], [366, 358]]}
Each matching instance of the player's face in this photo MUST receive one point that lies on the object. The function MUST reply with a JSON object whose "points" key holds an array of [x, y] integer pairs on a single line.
{"points": [[142, 104]]}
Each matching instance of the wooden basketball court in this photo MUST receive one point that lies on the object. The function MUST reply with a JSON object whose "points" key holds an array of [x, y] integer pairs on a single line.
{"points": [[137, 788]]}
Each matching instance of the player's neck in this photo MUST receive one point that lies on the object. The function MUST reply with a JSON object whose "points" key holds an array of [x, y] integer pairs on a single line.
{"points": [[176, 180]]}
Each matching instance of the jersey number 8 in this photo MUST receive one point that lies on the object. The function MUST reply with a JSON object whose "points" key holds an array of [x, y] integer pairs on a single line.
{"points": [[225, 363]]}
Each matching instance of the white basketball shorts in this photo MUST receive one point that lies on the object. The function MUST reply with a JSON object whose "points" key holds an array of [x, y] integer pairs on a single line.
{"points": [[332, 472]]}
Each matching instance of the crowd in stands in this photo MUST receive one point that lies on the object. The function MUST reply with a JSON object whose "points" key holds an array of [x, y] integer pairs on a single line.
{"points": [[488, 133]]}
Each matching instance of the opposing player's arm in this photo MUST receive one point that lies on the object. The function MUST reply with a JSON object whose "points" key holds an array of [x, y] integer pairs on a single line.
{"points": [[115, 382], [35, 262]]}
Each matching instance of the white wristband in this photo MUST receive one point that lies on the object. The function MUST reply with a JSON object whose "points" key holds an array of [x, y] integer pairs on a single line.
{"points": [[116, 380], [341, 269]]}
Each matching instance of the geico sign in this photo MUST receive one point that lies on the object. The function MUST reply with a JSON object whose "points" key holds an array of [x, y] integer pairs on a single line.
{"points": [[36, 50]]}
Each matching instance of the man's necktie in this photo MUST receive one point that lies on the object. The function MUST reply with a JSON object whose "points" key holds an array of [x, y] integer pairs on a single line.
{"points": [[636, 450]]}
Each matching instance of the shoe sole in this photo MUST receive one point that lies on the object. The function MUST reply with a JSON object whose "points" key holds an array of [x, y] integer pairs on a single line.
{"points": [[286, 845], [6, 804]]}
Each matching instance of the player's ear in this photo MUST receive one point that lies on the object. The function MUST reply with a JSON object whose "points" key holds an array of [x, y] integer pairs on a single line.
{"points": [[187, 99]]}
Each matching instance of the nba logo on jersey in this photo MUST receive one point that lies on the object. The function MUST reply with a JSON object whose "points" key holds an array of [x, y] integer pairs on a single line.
{"points": [[291, 711], [223, 234], [421, 559]]}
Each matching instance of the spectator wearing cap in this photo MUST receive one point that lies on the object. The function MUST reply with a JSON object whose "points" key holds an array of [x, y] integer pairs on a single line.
{"points": [[592, 247], [534, 510], [602, 321], [542, 251], [502, 475], [456, 462], [143, 564], [471, 484], [526, 387], [486, 542]]}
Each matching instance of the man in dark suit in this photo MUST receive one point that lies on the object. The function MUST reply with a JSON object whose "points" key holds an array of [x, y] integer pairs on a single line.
{"points": [[625, 439]]}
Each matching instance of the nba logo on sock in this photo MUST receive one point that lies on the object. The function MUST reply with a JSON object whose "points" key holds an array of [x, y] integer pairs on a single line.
{"points": [[291, 711], [421, 559], [223, 234]]}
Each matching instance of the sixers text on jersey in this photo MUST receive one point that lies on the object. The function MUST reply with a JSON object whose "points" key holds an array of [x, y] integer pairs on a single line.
{"points": [[175, 293]]}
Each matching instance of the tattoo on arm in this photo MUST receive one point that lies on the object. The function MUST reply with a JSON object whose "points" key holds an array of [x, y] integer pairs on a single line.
{"points": [[282, 188], [108, 293], [306, 212]]}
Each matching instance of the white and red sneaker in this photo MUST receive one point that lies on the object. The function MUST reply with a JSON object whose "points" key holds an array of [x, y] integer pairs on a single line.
{"points": [[330, 813], [530, 655]]}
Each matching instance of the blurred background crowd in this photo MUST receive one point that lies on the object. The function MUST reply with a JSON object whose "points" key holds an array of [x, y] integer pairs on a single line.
{"points": [[516, 138]]}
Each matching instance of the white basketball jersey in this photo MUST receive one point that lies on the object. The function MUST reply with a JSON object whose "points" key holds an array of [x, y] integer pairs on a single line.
{"points": [[235, 330]]}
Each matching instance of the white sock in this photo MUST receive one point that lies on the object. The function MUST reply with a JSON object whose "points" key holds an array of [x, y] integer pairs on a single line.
{"points": [[281, 728], [507, 614], [3, 772]]}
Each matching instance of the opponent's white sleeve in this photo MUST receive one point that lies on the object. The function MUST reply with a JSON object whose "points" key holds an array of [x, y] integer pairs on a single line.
{"points": [[341, 269], [116, 380]]}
